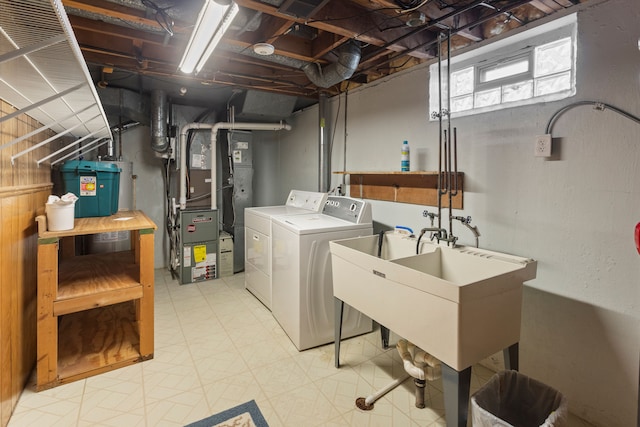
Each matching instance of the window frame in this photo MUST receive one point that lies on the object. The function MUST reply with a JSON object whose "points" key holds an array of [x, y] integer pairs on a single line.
{"points": [[481, 86], [522, 45]]}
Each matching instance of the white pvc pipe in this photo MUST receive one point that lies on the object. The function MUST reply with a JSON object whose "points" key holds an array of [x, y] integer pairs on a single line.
{"points": [[378, 394], [214, 132], [417, 362]]}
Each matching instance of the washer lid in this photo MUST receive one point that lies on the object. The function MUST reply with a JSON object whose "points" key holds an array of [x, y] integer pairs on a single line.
{"points": [[269, 211], [316, 223]]}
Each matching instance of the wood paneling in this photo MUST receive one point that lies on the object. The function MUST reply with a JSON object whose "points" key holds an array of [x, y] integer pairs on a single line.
{"points": [[24, 189], [420, 188]]}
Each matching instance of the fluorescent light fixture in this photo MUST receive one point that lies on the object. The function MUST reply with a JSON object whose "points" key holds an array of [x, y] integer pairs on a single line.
{"points": [[213, 21]]}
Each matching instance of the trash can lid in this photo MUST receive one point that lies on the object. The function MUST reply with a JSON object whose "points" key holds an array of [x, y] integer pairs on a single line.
{"points": [[89, 166]]}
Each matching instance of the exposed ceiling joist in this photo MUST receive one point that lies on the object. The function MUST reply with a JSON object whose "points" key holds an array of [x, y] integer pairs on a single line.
{"points": [[134, 39]]}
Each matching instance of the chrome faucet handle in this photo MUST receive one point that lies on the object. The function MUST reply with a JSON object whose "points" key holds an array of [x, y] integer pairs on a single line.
{"points": [[463, 220]]}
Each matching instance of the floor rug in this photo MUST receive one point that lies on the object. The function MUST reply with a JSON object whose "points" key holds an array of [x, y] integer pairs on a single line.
{"points": [[246, 415]]}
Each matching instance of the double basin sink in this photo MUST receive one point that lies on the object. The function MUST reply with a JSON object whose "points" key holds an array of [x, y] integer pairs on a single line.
{"points": [[461, 304]]}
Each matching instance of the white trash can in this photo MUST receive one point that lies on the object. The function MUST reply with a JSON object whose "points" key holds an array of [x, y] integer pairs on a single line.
{"points": [[510, 398], [60, 215]]}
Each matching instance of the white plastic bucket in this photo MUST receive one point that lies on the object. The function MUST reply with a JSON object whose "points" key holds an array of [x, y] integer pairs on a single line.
{"points": [[60, 216]]}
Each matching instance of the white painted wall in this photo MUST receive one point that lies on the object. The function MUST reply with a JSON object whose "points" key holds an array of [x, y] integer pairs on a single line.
{"points": [[149, 191], [296, 164], [574, 213]]}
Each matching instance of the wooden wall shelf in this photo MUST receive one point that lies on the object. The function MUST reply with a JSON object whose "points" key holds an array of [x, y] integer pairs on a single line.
{"points": [[419, 187], [95, 312]]}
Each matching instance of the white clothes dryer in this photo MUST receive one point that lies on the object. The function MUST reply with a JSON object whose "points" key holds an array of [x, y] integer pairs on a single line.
{"points": [[257, 247], [302, 289]]}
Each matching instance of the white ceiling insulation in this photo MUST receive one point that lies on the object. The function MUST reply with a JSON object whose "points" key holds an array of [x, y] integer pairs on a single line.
{"points": [[43, 73]]}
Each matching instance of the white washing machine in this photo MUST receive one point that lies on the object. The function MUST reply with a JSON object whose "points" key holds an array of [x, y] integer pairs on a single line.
{"points": [[257, 222], [302, 289]]}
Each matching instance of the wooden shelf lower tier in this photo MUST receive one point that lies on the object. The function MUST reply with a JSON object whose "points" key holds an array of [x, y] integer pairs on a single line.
{"points": [[420, 187], [91, 281], [98, 340]]}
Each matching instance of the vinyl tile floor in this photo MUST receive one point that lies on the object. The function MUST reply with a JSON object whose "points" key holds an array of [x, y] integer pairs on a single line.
{"points": [[217, 346]]}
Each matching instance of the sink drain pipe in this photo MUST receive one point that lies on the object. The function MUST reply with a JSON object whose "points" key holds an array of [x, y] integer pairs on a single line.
{"points": [[418, 364], [366, 404], [421, 366]]}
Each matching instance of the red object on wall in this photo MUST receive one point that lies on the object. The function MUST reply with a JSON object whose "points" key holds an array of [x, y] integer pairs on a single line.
{"points": [[638, 237]]}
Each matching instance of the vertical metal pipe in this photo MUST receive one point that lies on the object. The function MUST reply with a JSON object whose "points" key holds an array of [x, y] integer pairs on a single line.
{"points": [[344, 153], [159, 140], [450, 187], [455, 162], [121, 102], [324, 178], [449, 83], [111, 147], [439, 130], [445, 160]]}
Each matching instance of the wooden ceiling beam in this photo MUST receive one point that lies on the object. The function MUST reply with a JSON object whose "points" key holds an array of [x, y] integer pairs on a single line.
{"points": [[430, 10], [357, 23], [296, 84], [546, 6], [110, 31], [271, 29], [325, 43], [125, 14], [290, 50]]}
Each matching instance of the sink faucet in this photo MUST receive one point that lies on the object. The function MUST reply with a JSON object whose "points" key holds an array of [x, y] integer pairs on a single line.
{"points": [[467, 223], [451, 239], [438, 233]]}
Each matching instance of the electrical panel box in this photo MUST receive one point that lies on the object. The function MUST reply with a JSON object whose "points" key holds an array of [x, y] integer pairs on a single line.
{"points": [[198, 225], [199, 262], [198, 245], [241, 149], [241, 152], [225, 255]]}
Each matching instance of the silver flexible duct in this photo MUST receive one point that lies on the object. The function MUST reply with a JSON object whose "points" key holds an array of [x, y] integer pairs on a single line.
{"points": [[348, 60], [159, 140]]}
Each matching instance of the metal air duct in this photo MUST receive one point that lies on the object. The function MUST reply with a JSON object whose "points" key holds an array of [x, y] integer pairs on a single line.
{"points": [[159, 140], [324, 178], [124, 106], [342, 69]]}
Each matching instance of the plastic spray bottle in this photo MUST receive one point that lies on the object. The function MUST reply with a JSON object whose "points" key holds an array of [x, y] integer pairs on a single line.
{"points": [[404, 157]]}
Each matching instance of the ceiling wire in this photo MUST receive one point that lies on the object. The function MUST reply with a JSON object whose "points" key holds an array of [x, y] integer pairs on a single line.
{"points": [[400, 10], [414, 8], [162, 17], [516, 3]]}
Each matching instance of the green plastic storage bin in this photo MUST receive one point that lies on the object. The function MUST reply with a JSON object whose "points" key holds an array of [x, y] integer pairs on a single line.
{"points": [[97, 185]]}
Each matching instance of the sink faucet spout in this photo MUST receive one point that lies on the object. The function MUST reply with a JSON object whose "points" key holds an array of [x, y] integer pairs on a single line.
{"points": [[436, 233]]}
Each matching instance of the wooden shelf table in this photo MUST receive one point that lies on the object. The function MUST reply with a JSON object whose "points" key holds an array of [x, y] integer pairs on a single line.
{"points": [[95, 312]]}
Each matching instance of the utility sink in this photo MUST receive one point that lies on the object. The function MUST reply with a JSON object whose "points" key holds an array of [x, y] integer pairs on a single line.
{"points": [[461, 304]]}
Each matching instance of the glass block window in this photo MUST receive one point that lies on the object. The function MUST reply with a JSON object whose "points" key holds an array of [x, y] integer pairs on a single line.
{"points": [[462, 82], [532, 71], [553, 57]]}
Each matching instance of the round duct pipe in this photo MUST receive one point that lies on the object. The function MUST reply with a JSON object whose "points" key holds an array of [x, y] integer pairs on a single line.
{"points": [[159, 139], [342, 69]]}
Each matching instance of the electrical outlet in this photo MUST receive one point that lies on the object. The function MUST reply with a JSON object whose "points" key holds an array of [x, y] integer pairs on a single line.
{"points": [[543, 146]]}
